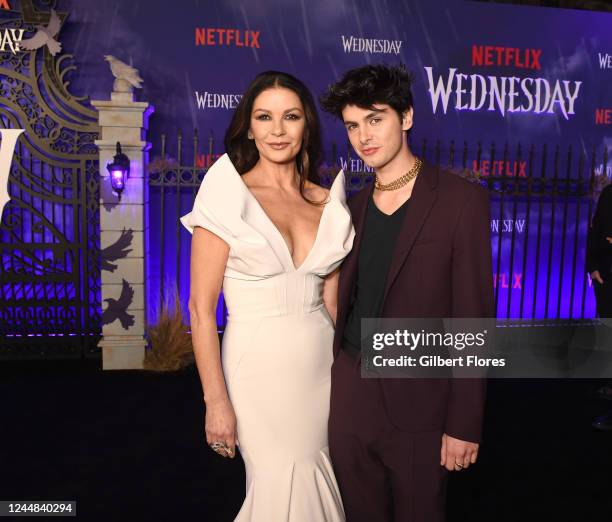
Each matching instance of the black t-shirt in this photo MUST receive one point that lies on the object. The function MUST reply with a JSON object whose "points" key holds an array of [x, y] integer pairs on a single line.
{"points": [[375, 254]]}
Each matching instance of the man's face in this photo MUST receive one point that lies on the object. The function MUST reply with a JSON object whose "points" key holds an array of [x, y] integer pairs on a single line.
{"points": [[377, 134]]}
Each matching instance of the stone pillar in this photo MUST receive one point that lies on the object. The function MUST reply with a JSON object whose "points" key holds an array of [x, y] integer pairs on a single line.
{"points": [[123, 232]]}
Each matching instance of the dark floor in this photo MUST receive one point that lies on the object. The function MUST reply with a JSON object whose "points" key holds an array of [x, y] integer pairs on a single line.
{"points": [[129, 445]]}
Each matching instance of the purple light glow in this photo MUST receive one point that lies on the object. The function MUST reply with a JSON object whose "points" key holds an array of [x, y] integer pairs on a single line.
{"points": [[118, 176]]}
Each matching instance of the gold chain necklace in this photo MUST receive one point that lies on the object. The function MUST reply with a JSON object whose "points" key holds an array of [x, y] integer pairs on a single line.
{"points": [[403, 180]]}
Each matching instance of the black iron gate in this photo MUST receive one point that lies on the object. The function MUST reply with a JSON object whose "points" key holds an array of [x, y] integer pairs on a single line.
{"points": [[538, 268], [49, 231]]}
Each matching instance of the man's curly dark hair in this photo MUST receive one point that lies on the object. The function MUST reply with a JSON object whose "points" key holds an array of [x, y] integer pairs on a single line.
{"points": [[368, 85]]}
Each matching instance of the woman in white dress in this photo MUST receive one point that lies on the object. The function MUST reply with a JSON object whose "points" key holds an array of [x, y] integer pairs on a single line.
{"points": [[273, 240]]}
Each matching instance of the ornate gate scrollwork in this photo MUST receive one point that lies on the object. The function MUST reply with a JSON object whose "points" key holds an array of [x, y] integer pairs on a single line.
{"points": [[49, 231]]}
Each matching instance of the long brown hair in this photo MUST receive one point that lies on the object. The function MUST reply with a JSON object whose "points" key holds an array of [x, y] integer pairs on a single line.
{"points": [[243, 152]]}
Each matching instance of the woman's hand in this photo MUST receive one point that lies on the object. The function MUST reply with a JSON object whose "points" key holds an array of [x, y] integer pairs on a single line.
{"points": [[209, 254], [596, 276], [220, 426]]}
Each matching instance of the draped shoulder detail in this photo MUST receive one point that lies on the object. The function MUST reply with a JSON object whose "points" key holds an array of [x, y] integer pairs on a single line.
{"points": [[225, 206], [222, 206], [336, 232]]}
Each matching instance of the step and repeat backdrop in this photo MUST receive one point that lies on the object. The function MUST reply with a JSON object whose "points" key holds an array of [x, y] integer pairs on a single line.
{"points": [[517, 96], [482, 71]]}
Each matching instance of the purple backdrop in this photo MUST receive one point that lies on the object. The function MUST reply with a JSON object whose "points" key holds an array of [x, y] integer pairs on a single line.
{"points": [[483, 73]]}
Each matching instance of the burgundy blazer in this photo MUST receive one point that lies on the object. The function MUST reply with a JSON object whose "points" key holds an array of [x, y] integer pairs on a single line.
{"points": [[441, 267]]}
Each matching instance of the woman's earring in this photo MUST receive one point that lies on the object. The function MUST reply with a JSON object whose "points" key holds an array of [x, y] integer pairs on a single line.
{"points": [[249, 135]]}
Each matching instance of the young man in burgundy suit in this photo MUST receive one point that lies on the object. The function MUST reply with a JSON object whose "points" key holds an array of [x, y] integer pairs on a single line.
{"points": [[422, 250]]}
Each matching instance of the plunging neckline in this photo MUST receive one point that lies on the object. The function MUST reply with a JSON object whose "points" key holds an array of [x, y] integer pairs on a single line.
{"points": [[278, 232]]}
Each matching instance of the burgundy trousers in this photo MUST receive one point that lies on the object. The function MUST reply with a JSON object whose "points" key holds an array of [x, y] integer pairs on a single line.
{"points": [[384, 474]]}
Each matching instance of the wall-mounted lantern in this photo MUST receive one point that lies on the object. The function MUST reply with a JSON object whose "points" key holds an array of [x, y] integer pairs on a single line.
{"points": [[119, 171]]}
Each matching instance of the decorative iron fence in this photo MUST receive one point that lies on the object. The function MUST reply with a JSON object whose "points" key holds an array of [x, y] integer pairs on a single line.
{"points": [[49, 232], [542, 200]]}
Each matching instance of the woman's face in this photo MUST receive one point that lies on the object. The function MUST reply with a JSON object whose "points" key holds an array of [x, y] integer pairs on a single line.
{"points": [[277, 124]]}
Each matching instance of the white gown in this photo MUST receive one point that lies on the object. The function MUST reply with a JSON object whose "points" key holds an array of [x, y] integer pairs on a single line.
{"points": [[277, 348]]}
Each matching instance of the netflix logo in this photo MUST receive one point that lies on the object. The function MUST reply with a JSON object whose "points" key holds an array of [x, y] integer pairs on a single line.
{"points": [[501, 168], [504, 280], [493, 56], [603, 116], [204, 161], [209, 37]]}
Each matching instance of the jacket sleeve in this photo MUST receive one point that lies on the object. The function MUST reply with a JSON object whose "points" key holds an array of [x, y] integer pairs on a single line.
{"points": [[472, 297]]}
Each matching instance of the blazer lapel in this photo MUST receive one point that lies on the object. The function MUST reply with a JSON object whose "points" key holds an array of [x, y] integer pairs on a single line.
{"points": [[421, 201]]}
